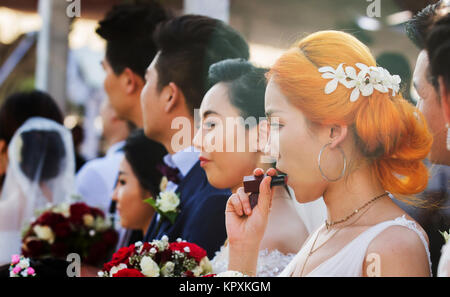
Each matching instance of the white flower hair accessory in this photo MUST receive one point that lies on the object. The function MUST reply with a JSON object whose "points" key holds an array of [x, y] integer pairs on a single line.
{"points": [[365, 82]]}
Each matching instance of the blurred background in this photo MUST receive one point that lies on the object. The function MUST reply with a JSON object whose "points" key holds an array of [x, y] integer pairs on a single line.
{"points": [[52, 45]]}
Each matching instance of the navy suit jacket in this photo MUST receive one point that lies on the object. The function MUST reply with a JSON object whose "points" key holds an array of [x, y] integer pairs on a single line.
{"points": [[202, 214]]}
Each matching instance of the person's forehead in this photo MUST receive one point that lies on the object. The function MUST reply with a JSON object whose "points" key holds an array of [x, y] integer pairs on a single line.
{"points": [[274, 97], [214, 98]]}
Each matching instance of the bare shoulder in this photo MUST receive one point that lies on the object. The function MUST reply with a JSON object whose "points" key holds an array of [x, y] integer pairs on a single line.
{"points": [[398, 251]]}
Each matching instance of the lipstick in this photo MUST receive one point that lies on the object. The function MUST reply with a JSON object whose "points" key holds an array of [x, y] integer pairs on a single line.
{"points": [[251, 185], [203, 161]]}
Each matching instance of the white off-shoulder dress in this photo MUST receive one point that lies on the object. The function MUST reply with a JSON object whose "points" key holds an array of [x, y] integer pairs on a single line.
{"points": [[349, 260]]}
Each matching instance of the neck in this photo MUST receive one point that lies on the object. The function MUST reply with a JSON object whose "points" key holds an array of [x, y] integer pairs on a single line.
{"points": [[137, 117], [115, 139], [343, 197]]}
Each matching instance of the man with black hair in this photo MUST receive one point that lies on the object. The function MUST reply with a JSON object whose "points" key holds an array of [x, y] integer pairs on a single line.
{"points": [[433, 219], [128, 29], [176, 81]]}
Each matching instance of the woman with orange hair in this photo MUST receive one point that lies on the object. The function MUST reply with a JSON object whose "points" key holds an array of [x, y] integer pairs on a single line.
{"points": [[345, 133]]}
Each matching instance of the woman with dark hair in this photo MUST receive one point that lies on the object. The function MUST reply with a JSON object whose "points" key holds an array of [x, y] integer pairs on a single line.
{"points": [[18, 108], [238, 95], [138, 179], [41, 171]]}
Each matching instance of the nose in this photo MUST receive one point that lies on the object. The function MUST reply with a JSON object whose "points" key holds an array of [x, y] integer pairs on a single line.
{"points": [[115, 196]]}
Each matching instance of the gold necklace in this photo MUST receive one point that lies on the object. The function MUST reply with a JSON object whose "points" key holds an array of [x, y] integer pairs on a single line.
{"points": [[311, 251], [328, 225]]}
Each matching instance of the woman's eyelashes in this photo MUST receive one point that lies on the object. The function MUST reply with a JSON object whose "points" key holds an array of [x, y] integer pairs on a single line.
{"points": [[209, 125], [275, 124]]}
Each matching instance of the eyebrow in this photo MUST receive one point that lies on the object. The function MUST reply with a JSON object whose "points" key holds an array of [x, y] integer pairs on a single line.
{"points": [[270, 112], [209, 112], [122, 173]]}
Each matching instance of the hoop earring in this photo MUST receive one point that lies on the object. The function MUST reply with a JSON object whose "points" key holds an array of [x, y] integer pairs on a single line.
{"points": [[343, 170]]}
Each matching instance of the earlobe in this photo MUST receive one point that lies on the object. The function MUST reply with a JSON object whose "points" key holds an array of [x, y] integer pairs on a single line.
{"points": [[172, 96]]}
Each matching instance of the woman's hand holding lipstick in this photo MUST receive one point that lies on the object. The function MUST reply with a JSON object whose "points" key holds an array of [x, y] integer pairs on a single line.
{"points": [[246, 226]]}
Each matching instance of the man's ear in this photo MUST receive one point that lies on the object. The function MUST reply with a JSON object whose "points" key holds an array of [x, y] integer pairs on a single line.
{"points": [[444, 94], [131, 81], [172, 97], [337, 135]]}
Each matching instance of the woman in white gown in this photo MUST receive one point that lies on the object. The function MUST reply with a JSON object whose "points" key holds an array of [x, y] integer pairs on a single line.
{"points": [[345, 133], [40, 171], [238, 91]]}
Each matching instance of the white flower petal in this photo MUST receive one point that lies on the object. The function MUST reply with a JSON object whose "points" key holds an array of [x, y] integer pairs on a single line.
{"points": [[367, 90], [380, 88], [331, 86], [396, 79], [350, 83], [327, 69], [363, 67], [355, 95], [351, 72], [328, 75]]}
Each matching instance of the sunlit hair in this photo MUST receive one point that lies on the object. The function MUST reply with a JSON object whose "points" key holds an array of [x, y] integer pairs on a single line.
{"points": [[390, 133]]}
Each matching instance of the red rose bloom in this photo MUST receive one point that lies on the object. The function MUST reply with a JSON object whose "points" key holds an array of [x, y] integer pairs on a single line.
{"points": [[128, 272], [77, 211], [148, 246], [121, 256], [96, 212], [62, 229], [195, 252], [50, 219], [189, 274]]}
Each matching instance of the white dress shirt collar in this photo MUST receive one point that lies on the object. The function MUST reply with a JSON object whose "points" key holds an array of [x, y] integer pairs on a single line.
{"points": [[183, 160], [115, 147]]}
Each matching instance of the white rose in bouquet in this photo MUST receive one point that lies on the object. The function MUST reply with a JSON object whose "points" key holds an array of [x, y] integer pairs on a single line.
{"points": [[168, 268], [149, 267], [44, 233]]}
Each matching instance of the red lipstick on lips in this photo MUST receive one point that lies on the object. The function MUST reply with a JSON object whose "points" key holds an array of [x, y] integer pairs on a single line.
{"points": [[203, 161]]}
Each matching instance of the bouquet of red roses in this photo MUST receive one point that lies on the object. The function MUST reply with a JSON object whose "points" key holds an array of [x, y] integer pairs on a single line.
{"points": [[158, 258], [75, 228]]}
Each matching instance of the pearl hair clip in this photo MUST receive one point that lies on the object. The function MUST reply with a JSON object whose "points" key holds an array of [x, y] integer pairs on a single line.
{"points": [[365, 82]]}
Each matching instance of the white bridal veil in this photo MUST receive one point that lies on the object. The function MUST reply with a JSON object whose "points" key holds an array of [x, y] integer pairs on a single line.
{"points": [[40, 171]]}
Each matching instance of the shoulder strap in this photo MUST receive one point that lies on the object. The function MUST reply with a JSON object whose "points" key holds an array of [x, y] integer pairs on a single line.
{"points": [[366, 237]]}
